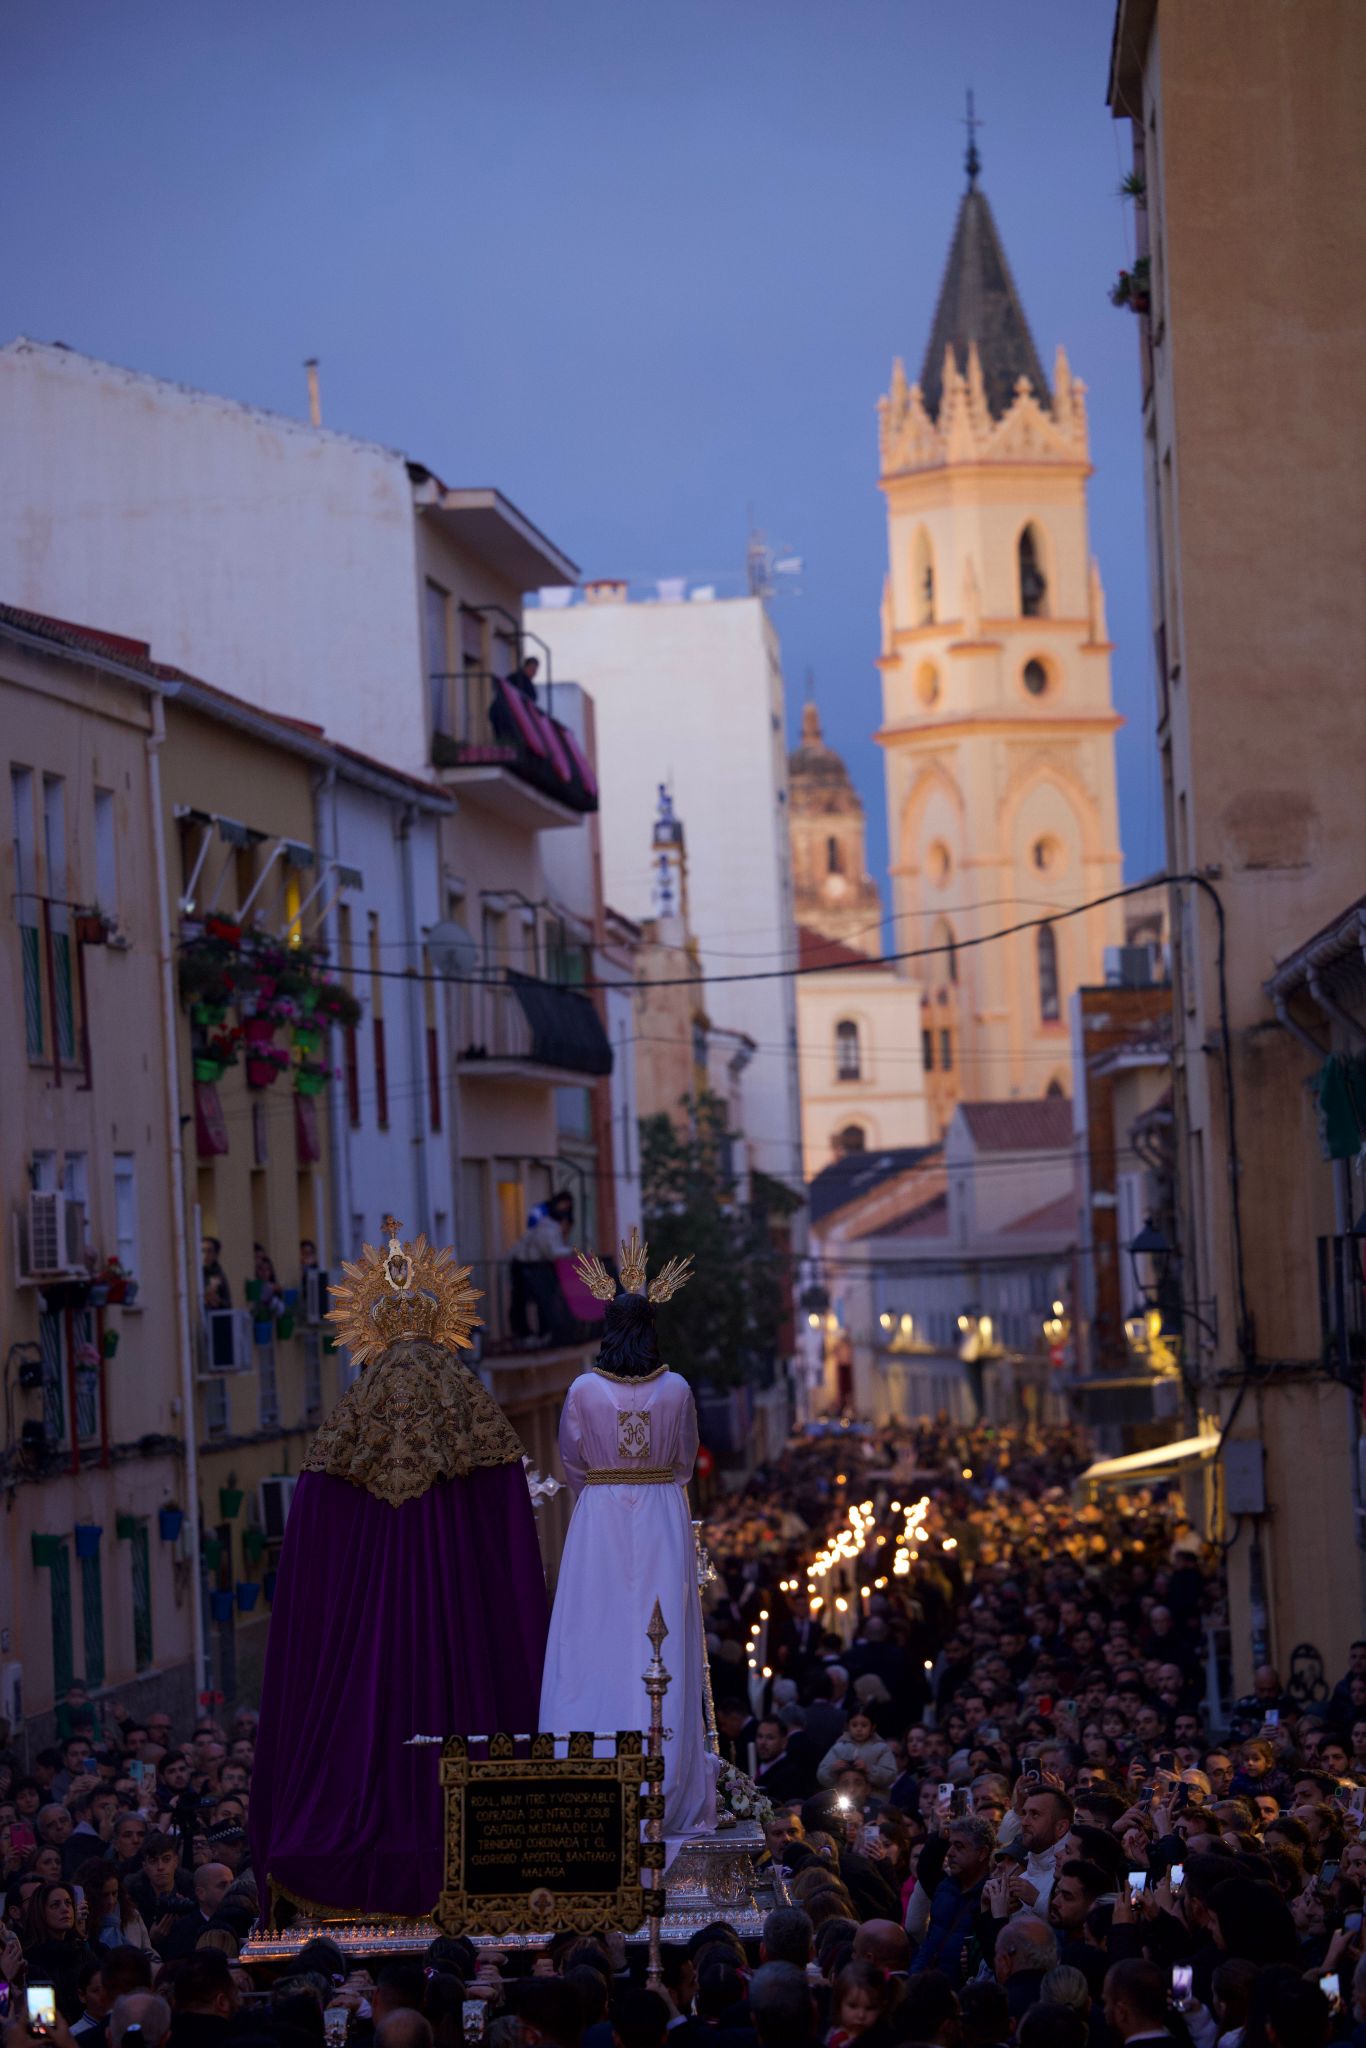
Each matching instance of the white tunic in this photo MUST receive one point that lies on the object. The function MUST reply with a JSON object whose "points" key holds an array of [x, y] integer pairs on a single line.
{"points": [[628, 1546]]}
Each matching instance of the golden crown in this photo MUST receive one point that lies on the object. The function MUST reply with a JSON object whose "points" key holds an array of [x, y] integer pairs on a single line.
{"points": [[407, 1291], [596, 1278]]}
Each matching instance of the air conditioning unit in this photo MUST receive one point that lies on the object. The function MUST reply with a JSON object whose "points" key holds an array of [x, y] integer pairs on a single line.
{"points": [[227, 1345], [56, 1234], [275, 1497], [1135, 966], [315, 1296]]}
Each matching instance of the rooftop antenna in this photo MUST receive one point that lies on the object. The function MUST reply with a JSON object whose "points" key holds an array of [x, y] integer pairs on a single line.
{"points": [[972, 124], [315, 396]]}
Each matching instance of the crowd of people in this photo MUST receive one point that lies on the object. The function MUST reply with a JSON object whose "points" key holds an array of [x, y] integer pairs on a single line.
{"points": [[998, 1809]]}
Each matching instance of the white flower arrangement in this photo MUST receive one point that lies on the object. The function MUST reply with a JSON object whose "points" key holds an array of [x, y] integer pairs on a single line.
{"points": [[739, 1798]]}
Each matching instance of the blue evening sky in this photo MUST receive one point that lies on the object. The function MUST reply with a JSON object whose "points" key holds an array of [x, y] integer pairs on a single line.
{"points": [[642, 265]]}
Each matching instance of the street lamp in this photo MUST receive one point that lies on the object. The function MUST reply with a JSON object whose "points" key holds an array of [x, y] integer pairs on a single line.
{"points": [[1153, 1243]]}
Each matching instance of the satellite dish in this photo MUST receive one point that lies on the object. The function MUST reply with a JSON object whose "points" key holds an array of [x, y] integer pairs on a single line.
{"points": [[451, 950]]}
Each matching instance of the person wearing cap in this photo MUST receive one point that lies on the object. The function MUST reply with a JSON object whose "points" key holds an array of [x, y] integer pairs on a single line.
{"points": [[228, 1845]]}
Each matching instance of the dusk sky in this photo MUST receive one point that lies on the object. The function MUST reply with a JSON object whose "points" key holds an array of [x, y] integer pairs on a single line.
{"points": [[644, 267]]}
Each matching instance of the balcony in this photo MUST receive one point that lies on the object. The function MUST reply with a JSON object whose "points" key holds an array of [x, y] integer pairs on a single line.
{"points": [[507, 754], [515, 1027], [1342, 1306]]}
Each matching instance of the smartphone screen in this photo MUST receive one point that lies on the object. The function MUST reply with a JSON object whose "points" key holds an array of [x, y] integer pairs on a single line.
{"points": [[946, 1792], [334, 2024], [474, 2013], [1182, 1978], [1145, 1798], [1331, 1988], [1273, 1720], [1178, 1878], [1138, 1882], [42, 2005], [1029, 1769], [1328, 1877]]}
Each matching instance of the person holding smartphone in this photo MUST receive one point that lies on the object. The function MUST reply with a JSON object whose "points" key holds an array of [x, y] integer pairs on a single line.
{"points": [[54, 1948]]}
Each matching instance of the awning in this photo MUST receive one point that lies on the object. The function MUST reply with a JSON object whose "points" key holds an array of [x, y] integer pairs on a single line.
{"points": [[565, 1029], [1190, 1450]]}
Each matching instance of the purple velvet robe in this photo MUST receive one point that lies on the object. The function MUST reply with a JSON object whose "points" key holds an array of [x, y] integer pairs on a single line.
{"points": [[424, 1619]]}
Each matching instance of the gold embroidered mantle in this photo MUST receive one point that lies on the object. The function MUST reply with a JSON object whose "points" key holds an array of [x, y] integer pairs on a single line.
{"points": [[415, 1416]]}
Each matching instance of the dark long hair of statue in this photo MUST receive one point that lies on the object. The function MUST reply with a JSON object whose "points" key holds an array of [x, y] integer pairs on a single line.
{"points": [[629, 1345]]}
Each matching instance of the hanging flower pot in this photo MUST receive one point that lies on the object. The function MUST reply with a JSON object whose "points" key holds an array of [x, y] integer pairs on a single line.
{"points": [[130, 1291], [209, 1016], [259, 1030], [268, 1583], [253, 1544], [109, 1343], [212, 1553], [220, 1606], [248, 1593], [252, 1290], [230, 1499], [308, 999], [262, 1073], [284, 1328], [222, 928], [46, 1549], [265, 987], [308, 1037], [206, 1069], [309, 1082], [88, 1536], [99, 1293], [125, 1526], [262, 1332], [170, 1522], [90, 928]]}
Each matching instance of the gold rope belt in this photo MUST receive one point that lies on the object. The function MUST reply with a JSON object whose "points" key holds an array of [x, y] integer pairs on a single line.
{"points": [[623, 1475]]}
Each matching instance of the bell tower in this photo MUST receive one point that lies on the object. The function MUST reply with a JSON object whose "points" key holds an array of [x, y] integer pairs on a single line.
{"points": [[834, 894], [998, 726]]}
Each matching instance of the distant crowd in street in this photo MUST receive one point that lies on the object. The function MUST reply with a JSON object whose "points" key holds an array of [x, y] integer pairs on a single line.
{"points": [[993, 1802]]}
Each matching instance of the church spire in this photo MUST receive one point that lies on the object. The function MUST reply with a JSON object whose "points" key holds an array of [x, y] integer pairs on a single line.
{"points": [[978, 302]]}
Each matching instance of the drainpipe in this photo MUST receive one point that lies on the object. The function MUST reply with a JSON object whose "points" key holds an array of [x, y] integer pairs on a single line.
{"points": [[1288, 1023], [170, 1018], [338, 1129], [417, 1092]]}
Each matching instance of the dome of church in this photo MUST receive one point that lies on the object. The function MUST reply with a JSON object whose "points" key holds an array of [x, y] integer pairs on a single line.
{"points": [[818, 778]]}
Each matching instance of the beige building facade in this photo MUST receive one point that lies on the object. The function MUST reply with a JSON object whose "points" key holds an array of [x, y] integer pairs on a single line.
{"points": [[91, 1590], [998, 725], [1246, 290]]}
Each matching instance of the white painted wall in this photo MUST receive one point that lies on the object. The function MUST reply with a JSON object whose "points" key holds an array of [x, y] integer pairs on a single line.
{"points": [[379, 1167], [692, 695], [887, 1100], [192, 522]]}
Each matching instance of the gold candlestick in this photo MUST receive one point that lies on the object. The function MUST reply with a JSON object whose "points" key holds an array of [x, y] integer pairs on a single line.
{"points": [[656, 1685], [706, 1576]]}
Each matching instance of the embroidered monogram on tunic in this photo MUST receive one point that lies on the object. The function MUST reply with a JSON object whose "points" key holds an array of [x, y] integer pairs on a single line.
{"points": [[633, 1433]]}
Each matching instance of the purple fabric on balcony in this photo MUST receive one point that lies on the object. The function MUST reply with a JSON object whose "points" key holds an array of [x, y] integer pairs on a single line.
{"points": [[424, 1619], [581, 761], [525, 716], [555, 737]]}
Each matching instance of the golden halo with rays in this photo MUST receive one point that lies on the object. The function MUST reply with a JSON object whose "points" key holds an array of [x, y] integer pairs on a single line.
{"points": [[434, 1301]]}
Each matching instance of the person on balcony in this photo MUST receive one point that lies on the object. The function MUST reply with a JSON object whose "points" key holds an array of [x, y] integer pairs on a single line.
{"points": [[535, 1275], [523, 681]]}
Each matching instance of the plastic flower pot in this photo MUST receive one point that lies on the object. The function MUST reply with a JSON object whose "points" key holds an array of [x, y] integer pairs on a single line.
{"points": [[248, 1593], [90, 930], [284, 1328], [308, 1000], [170, 1522], [208, 1016], [212, 1553], [262, 1073], [109, 1343], [259, 1030], [46, 1549], [252, 1290], [308, 1037], [130, 1292], [125, 1526], [309, 1084], [206, 1069], [254, 1543], [99, 1290], [220, 1606], [262, 1332], [88, 1536], [118, 1289], [230, 1499]]}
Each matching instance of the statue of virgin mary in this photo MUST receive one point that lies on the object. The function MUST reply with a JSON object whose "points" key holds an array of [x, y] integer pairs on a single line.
{"points": [[410, 1600], [628, 1440]]}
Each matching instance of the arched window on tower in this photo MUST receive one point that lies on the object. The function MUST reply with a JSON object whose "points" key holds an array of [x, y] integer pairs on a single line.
{"points": [[946, 952], [833, 863], [922, 580], [1046, 946], [848, 1060], [1033, 582]]}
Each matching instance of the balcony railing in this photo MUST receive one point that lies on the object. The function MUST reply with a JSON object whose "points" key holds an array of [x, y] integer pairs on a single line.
{"points": [[1342, 1305], [515, 1022], [531, 1305], [483, 721]]}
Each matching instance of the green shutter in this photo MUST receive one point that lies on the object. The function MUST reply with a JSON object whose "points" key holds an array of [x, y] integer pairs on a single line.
{"points": [[63, 1672], [33, 990], [142, 1599], [92, 1617], [61, 981]]}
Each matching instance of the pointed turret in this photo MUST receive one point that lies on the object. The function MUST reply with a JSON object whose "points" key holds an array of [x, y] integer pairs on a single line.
{"points": [[978, 303]]}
